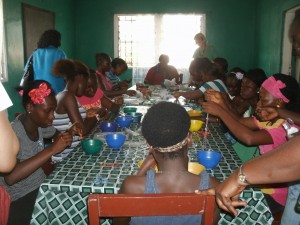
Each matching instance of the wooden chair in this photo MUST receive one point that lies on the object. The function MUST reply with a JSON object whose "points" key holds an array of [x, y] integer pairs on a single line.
{"points": [[128, 205]]}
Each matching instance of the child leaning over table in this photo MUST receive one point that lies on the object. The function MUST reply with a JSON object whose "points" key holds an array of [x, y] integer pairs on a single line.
{"points": [[279, 91], [166, 130], [31, 128], [95, 98]]}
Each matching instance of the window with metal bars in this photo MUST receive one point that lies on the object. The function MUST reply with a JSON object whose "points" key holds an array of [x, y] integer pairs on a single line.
{"points": [[141, 38]]}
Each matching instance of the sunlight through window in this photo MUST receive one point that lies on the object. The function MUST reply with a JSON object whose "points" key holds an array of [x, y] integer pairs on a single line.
{"points": [[140, 39]]}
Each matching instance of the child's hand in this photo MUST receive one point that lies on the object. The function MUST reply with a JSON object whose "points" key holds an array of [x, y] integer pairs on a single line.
{"points": [[102, 114], [266, 113], [130, 92], [76, 129], [212, 108], [123, 84], [61, 141], [147, 164], [214, 96], [177, 94], [91, 112], [119, 100]]}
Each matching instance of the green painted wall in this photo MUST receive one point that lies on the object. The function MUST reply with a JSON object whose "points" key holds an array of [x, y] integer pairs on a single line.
{"points": [[269, 33], [64, 19], [230, 25]]}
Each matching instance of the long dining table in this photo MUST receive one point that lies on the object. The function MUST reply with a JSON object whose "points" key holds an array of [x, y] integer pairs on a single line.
{"points": [[62, 197]]}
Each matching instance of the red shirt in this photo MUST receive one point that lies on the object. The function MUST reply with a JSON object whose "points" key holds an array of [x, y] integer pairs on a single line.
{"points": [[156, 75]]}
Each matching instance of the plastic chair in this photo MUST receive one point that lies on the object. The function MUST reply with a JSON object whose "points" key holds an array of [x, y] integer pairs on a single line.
{"points": [[128, 205]]}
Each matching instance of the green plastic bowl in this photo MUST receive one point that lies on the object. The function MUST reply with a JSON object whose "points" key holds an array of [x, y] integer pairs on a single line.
{"points": [[129, 109], [91, 146]]}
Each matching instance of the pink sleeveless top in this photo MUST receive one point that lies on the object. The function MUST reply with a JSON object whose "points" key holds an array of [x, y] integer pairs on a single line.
{"points": [[91, 102]]}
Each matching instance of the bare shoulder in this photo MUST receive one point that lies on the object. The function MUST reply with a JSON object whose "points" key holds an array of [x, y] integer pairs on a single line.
{"points": [[65, 96], [64, 100], [133, 184]]}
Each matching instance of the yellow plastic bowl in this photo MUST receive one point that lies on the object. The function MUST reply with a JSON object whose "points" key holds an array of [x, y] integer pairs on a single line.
{"points": [[193, 167], [196, 125], [141, 162], [193, 113]]}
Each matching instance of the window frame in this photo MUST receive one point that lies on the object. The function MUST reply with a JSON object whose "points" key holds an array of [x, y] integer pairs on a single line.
{"points": [[116, 26]]}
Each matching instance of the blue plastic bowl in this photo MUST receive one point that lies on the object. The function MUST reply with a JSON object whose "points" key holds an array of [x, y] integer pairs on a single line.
{"points": [[115, 140], [91, 146], [209, 159], [108, 126], [136, 117], [124, 121]]}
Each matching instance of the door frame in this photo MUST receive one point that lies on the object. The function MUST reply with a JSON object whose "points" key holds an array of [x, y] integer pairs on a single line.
{"points": [[287, 47]]}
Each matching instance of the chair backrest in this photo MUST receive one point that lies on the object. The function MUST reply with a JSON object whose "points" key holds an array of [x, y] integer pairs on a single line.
{"points": [[128, 205]]}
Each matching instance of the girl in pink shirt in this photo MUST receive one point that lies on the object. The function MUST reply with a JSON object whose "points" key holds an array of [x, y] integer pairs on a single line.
{"points": [[279, 91]]}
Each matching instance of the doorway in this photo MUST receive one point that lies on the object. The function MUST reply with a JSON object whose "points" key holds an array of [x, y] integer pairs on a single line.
{"points": [[290, 63], [35, 22]]}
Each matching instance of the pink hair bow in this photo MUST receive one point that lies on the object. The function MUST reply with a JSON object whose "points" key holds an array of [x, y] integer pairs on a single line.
{"points": [[38, 95], [274, 87]]}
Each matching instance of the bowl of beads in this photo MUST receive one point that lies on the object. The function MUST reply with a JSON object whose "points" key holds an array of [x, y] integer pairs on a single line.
{"points": [[193, 113], [195, 168], [106, 126], [195, 125], [123, 121], [115, 140], [129, 109], [209, 158], [136, 117], [91, 146]]}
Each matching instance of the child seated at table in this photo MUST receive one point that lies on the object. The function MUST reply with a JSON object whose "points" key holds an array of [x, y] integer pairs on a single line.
{"points": [[95, 98], [68, 110], [207, 74], [280, 91], [103, 62], [222, 64], [166, 130], [31, 128], [162, 71], [118, 67], [243, 102], [244, 94]]}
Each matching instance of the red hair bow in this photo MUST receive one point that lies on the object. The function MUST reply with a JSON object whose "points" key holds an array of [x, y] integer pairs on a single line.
{"points": [[38, 95]]}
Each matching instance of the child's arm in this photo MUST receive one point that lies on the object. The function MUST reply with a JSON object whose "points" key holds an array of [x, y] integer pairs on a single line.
{"points": [[28, 166], [71, 107], [148, 163], [270, 113], [189, 95], [240, 131]]}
